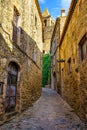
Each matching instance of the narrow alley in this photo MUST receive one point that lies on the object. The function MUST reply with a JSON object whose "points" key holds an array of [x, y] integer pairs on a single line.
{"points": [[50, 112]]}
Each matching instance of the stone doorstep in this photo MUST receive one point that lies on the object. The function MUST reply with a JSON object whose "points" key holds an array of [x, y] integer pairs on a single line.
{"points": [[8, 117]]}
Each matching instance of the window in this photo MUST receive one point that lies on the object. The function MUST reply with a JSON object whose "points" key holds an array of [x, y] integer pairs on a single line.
{"points": [[35, 21], [43, 51], [1, 88], [83, 48], [16, 22], [45, 23], [69, 66]]}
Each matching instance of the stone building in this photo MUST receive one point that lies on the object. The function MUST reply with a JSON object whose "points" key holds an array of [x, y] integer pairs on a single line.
{"points": [[58, 28], [20, 55], [73, 50], [48, 26]]}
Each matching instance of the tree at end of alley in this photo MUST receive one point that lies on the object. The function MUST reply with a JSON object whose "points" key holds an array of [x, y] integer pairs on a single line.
{"points": [[46, 69]]}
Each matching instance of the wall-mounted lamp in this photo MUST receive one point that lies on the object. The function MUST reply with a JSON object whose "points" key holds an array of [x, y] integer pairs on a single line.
{"points": [[61, 60], [1, 88]]}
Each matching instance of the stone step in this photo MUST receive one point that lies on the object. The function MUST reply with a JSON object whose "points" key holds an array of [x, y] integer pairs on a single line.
{"points": [[8, 116], [11, 114]]}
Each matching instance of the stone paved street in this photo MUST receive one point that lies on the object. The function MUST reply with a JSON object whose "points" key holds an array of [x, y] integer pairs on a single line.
{"points": [[50, 112]]}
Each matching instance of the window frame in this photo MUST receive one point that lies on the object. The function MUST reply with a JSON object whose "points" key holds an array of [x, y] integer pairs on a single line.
{"points": [[83, 41]]}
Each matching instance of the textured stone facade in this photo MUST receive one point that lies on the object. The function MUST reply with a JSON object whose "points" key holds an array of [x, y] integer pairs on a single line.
{"points": [[48, 26], [58, 28], [24, 51], [73, 49]]}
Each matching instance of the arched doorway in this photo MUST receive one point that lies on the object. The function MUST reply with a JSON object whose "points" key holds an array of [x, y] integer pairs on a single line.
{"points": [[55, 81], [11, 90]]}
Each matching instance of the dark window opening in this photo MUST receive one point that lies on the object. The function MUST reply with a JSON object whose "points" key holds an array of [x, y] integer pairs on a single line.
{"points": [[69, 66], [45, 23], [1, 88], [74, 61], [35, 21], [43, 51], [83, 48]]}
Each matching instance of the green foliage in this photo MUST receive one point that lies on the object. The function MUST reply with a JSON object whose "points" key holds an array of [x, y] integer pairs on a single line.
{"points": [[46, 69]]}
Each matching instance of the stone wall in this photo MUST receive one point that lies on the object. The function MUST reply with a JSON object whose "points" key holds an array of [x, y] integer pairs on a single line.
{"points": [[48, 26], [58, 28], [47, 37], [74, 83], [22, 52], [62, 22]]}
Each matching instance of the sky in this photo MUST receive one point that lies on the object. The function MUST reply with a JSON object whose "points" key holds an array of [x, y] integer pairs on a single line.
{"points": [[54, 6]]}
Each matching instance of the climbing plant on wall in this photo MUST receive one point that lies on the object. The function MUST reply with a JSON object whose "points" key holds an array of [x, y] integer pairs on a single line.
{"points": [[46, 69]]}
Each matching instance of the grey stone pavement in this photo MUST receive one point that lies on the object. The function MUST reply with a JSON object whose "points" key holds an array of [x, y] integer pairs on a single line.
{"points": [[50, 112]]}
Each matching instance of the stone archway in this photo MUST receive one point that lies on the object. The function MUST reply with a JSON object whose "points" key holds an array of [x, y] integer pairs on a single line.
{"points": [[11, 90]]}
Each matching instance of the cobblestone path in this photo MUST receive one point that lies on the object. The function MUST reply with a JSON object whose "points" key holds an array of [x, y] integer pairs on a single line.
{"points": [[50, 112]]}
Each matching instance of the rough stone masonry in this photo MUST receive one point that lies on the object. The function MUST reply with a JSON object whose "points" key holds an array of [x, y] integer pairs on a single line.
{"points": [[20, 55]]}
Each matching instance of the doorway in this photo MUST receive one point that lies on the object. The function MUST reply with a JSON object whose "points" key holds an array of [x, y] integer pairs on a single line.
{"points": [[11, 91], [55, 81]]}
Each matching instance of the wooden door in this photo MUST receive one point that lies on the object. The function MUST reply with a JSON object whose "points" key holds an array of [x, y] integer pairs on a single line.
{"points": [[11, 90]]}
